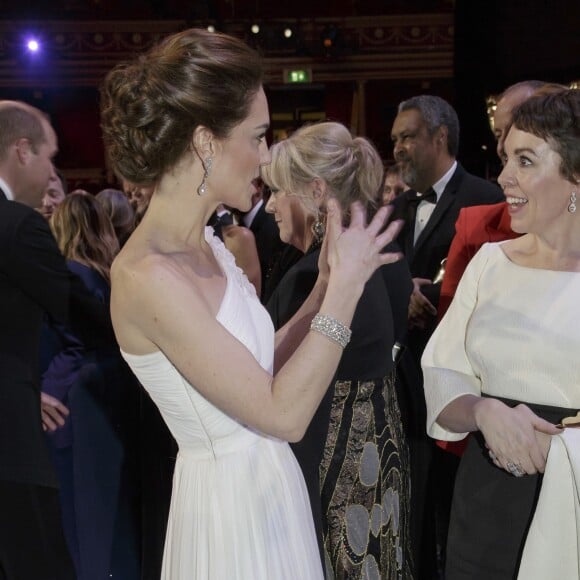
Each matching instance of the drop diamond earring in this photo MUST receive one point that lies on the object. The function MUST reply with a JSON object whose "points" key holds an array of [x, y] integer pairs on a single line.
{"points": [[572, 205], [202, 189]]}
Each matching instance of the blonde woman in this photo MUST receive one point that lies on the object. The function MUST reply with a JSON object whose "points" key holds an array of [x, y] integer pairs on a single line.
{"points": [[354, 455]]}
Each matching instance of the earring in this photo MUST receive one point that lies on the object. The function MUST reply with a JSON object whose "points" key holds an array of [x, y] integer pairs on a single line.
{"points": [[318, 229], [572, 206], [202, 189]]}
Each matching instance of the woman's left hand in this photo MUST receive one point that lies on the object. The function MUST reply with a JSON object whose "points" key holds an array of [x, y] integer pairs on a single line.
{"points": [[356, 251], [518, 440]]}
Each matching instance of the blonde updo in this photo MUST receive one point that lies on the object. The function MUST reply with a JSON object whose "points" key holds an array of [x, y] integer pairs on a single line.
{"points": [[351, 167], [151, 105]]}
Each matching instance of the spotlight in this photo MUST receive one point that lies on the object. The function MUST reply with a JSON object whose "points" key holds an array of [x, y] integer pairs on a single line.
{"points": [[32, 45], [255, 29], [287, 32], [211, 28]]}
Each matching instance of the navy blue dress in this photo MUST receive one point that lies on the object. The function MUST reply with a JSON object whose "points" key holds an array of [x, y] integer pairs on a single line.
{"points": [[94, 454]]}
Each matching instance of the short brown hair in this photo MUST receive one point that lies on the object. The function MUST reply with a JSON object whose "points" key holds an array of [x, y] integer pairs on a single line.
{"points": [[19, 120], [556, 119], [151, 106]]}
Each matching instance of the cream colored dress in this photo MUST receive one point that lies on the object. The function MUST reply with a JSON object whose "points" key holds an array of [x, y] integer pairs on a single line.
{"points": [[511, 332], [239, 508]]}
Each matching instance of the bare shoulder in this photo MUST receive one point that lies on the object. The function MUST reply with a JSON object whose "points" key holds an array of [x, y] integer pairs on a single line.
{"points": [[133, 281], [239, 239], [144, 288], [239, 233], [129, 273]]}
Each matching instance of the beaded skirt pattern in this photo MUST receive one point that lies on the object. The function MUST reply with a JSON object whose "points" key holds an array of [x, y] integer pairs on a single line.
{"points": [[365, 485]]}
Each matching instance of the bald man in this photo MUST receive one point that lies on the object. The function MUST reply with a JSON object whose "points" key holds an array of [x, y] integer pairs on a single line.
{"points": [[513, 96]]}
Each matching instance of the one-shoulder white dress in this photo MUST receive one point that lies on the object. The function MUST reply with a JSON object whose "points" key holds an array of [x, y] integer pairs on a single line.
{"points": [[239, 508]]}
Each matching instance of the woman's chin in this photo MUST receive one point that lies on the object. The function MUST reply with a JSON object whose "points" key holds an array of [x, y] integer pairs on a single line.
{"points": [[243, 206]]}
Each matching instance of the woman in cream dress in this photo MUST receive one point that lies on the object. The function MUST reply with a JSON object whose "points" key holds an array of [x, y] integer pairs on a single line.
{"points": [[503, 362]]}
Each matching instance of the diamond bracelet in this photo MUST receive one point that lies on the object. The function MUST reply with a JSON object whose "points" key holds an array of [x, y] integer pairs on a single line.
{"points": [[331, 328]]}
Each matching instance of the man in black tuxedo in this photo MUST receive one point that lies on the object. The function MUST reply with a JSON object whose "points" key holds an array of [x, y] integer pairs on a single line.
{"points": [[34, 279], [425, 135], [275, 256]]}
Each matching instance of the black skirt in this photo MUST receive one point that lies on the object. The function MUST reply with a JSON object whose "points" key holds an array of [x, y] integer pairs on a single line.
{"points": [[492, 510]]}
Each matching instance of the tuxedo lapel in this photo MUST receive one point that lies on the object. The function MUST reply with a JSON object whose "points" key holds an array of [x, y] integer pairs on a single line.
{"points": [[258, 220], [404, 208], [438, 213], [3, 196], [441, 207]]}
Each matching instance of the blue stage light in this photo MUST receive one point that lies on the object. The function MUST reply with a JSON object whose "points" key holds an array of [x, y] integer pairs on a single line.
{"points": [[33, 45]]}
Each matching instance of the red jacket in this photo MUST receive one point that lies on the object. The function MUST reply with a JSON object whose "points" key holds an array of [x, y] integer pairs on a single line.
{"points": [[475, 226]]}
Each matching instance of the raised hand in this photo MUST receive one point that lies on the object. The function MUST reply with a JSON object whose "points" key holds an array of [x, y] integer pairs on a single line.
{"points": [[356, 252]]}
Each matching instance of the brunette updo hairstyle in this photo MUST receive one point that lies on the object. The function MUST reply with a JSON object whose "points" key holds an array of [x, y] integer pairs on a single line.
{"points": [[555, 118], [350, 166], [151, 105]]}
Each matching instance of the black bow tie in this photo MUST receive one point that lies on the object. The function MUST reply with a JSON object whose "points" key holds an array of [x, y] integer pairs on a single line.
{"points": [[429, 196], [414, 201]]}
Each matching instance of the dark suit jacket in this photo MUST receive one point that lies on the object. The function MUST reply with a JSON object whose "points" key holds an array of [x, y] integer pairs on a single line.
{"points": [[475, 226], [34, 279], [433, 244], [424, 260], [270, 248]]}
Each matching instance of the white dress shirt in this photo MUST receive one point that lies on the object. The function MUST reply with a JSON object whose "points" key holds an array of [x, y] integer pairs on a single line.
{"points": [[6, 189], [426, 208], [249, 217]]}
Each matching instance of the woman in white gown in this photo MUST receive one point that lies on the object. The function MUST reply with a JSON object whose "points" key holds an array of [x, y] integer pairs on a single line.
{"points": [[190, 117]]}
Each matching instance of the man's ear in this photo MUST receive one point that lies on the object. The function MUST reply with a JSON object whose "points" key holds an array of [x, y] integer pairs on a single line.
{"points": [[441, 135], [24, 150], [203, 143]]}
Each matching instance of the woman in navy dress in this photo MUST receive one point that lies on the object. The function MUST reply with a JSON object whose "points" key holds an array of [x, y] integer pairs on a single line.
{"points": [[92, 450]]}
